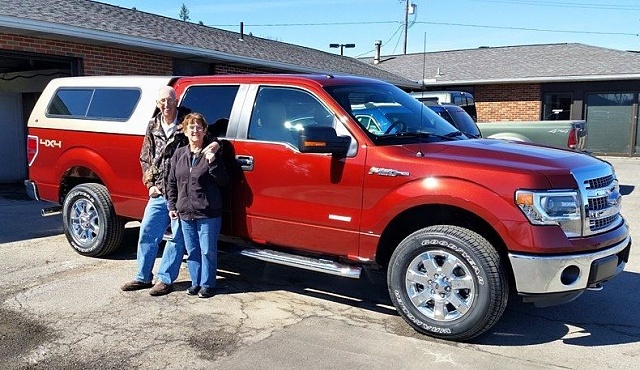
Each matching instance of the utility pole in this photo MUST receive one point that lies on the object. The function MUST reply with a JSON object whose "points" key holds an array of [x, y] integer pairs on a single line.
{"points": [[408, 9], [406, 23]]}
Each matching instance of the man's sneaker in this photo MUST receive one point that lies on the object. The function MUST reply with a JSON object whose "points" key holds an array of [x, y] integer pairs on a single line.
{"points": [[206, 293], [161, 289], [193, 290], [135, 285]]}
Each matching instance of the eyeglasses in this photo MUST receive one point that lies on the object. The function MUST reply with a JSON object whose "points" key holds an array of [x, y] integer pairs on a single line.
{"points": [[166, 101], [195, 128]]}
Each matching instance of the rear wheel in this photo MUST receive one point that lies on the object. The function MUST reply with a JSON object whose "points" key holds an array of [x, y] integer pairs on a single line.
{"points": [[90, 223], [448, 282]]}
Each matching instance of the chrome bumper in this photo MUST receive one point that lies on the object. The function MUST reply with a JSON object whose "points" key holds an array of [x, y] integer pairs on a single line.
{"points": [[556, 274]]}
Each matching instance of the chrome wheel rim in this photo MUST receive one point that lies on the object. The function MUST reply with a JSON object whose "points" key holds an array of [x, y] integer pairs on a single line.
{"points": [[85, 222], [440, 285]]}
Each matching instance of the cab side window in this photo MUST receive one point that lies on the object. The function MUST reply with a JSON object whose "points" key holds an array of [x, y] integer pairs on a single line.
{"points": [[279, 113], [214, 102]]}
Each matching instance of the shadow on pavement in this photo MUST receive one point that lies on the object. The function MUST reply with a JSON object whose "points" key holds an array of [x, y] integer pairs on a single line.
{"points": [[20, 218], [596, 318], [607, 317]]}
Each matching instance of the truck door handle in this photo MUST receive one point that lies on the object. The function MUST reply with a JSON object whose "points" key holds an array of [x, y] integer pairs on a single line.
{"points": [[245, 162]]}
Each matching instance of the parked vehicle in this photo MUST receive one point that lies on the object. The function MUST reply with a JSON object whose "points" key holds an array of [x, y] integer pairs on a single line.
{"points": [[570, 134], [457, 224], [458, 117], [560, 134], [462, 99]]}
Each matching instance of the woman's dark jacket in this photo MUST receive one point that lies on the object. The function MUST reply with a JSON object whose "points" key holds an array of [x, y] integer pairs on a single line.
{"points": [[194, 190]]}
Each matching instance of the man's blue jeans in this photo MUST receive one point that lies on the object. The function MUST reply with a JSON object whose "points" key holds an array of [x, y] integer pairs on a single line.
{"points": [[201, 241], [152, 227]]}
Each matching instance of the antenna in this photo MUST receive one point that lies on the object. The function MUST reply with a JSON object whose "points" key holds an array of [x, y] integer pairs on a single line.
{"points": [[424, 58], [420, 153]]}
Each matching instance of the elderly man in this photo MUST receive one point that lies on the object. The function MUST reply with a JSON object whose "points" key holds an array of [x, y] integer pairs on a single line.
{"points": [[163, 136]]}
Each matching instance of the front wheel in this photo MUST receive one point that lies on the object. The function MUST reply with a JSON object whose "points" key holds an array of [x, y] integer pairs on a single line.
{"points": [[448, 282], [90, 223]]}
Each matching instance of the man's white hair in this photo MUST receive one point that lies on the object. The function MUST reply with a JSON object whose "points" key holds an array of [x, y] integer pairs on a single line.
{"points": [[165, 91]]}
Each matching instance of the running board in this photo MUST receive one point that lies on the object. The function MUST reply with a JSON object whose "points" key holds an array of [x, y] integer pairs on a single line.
{"points": [[51, 211], [307, 263]]}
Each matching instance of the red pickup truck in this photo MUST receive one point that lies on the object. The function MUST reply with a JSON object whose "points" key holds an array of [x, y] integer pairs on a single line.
{"points": [[456, 223]]}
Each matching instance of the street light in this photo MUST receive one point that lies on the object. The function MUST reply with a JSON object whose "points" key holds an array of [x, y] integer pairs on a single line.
{"points": [[342, 46]]}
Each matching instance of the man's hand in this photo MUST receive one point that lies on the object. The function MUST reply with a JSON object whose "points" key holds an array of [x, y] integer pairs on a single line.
{"points": [[210, 151], [154, 192], [173, 214]]}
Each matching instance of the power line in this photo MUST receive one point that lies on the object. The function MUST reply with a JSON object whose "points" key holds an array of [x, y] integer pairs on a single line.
{"points": [[556, 4], [435, 23], [304, 24], [384, 43], [531, 29]]}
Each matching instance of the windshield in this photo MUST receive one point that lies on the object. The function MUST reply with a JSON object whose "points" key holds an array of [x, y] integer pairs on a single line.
{"points": [[388, 114]]}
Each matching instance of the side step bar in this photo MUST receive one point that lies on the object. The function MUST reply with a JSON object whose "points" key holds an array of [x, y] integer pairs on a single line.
{"points": [[51, 211], [307, 263]]}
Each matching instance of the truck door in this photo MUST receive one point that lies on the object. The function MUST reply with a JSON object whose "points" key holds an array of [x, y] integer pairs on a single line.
{"points": [[292, 199]]}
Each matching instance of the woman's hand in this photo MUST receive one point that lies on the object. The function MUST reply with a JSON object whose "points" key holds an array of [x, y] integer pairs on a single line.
{"points": [[173, 214], [210, 151]]}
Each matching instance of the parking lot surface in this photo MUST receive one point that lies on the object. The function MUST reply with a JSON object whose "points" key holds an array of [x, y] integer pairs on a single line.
{"points": [[60, 310]]}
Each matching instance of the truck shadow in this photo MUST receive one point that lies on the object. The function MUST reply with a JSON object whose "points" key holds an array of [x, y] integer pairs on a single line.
{"points": [[607, 317], [596, 318], [21, 219]]}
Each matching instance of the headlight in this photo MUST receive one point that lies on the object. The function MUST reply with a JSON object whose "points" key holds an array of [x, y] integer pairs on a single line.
{"points": [[562, 208]]}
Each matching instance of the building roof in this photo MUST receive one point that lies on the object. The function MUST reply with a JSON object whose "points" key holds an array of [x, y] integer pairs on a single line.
{"points": [[564, 62], [98, 23]]}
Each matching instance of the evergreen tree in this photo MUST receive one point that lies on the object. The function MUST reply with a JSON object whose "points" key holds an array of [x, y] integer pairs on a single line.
{"points": [[184, 13]]}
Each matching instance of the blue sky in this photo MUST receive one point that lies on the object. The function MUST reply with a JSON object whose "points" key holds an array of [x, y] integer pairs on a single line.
{"points": [[436, 25]]}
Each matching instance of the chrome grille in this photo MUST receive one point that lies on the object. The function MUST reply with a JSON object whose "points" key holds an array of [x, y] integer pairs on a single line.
{"points": [[600, 182], [602, 223], [597, 204], [601, 196]]}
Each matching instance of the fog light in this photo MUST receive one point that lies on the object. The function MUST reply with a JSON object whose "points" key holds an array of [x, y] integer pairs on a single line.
{"points": [[570, 275]]}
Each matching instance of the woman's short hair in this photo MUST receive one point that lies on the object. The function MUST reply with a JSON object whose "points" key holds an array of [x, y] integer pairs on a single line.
{"points": [[194, 118]]}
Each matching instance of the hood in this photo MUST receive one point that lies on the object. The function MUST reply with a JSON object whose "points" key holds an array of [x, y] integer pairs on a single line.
{"points": [[486, 160]]}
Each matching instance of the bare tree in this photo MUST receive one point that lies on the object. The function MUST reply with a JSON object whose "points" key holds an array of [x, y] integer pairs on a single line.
{"points": [[184, 13]]}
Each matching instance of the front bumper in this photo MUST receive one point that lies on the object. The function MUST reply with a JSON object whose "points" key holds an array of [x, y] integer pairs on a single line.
{"points": [[558, 275]]}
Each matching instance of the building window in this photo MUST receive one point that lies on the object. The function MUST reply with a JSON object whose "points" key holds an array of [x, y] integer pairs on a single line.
{"points": [[557, 106]]}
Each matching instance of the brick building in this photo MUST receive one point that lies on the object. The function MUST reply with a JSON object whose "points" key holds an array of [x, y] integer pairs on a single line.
{"points": [[540, 82]]}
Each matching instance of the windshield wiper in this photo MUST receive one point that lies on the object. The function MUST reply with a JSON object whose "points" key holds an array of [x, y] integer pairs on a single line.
{"points": [[420, 135], [453, 134]]}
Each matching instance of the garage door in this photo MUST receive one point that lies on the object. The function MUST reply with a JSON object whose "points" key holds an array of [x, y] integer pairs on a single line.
{"points": [[13, 162]]}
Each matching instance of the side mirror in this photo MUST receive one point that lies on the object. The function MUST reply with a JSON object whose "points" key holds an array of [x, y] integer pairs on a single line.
{"points": [[322, 139]]}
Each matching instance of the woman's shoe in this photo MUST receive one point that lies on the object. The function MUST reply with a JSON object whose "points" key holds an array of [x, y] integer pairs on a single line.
{"points": [[206, 293], [193, 290]]}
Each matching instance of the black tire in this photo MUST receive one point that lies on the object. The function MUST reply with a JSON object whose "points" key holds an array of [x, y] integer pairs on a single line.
{"points": [[90, 223], [448, 282]]}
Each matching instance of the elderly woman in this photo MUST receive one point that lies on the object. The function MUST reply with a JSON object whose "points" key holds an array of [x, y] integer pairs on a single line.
{"points": [[195, 178]]}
